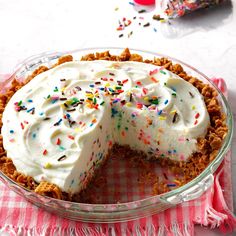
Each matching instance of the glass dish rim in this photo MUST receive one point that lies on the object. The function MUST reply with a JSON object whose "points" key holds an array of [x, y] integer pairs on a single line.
{"points": [[210, 168]]}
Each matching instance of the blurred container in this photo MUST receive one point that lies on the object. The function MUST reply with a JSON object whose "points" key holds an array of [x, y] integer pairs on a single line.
{"points": [[176, 8]]}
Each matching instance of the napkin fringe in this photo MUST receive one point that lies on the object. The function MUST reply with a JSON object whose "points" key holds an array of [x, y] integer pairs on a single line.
{"points": [[224, 220], [214, 219], [48, 231], [185, 229]]}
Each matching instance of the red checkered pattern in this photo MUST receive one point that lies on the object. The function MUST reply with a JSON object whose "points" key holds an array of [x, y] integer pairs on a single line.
{"points": [[19, 217]]}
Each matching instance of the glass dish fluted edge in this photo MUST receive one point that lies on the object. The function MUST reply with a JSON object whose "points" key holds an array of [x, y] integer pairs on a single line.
{"points": [[130, 210]]}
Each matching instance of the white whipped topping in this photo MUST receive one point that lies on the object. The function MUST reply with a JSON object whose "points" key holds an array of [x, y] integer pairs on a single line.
{"points": [[60, 126]]}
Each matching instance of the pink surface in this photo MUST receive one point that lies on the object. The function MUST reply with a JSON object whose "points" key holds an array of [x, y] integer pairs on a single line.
{"points": [[19, 217]]}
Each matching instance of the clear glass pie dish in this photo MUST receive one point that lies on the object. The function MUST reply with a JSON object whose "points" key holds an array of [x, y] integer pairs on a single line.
{"points": [[127, 210]]}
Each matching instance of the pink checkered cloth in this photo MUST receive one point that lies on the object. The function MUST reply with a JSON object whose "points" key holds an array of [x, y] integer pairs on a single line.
{"points": [[19, 217]]}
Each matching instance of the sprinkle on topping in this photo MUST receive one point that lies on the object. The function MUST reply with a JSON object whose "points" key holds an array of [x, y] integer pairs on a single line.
{"points": [[123, 133], [55, 89], [45, 152], [77, 104], [111, 90], [162, 118], [146, 25], [47, 118], [130, 97], [94, 101], [62, 158], [171, 185], [152, 72], [30, 100], [74, 101], [163, 72], [196, 121], [165, 176], [139, 105], [31, 110], [58, 142], [71, 137], [192, 96], [145, 91], [154, 101], [166, 101], [123, 102], [78, 88], [58, 122], [120, 28], [154, 80], [197, 115], [63, 99], [70, 110], [71, 123], [127, 23], [157, 17], [175, 117], [130, 33], [62, 80], [115, 101], [193, 107], [19, 106], [11, 131], [54, 99], [113, 112], [142, 11], [48, 165], [77, 130], [174, 94], [62, 148], [22, 126]]}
